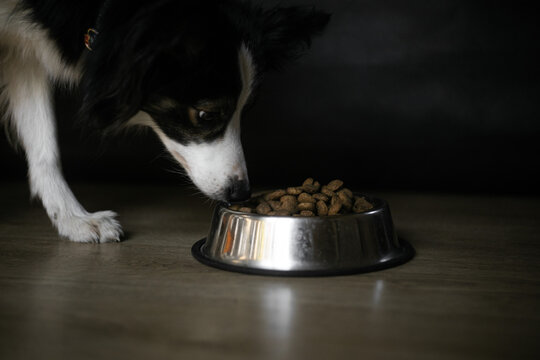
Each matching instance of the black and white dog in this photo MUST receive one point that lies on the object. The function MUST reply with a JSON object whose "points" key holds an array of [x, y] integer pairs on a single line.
{"points": [[184, 68]]}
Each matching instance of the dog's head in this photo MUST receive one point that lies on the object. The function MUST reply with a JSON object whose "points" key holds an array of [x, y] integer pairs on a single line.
{"points": [[188, 70]]}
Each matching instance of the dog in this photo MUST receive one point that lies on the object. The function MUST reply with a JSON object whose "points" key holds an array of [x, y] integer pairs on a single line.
{"points": [[185, 69]]}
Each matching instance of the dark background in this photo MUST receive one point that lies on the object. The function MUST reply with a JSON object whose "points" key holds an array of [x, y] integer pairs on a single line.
{"points": [[415, 95]]}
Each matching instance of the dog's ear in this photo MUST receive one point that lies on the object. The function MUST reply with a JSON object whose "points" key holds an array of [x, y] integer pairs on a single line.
{"points": [[286, 33], [114, 76]]}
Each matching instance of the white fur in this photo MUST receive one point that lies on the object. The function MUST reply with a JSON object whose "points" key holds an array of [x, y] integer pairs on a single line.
{"points": [[212, 165], [24, 39], [29, 61]]}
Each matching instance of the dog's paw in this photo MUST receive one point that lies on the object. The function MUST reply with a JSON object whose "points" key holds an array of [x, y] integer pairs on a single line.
{"points": [[98, 227]]}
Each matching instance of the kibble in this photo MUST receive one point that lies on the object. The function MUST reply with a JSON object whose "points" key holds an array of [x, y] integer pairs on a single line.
{"points": [[347, 192], [309, 199], [274, 204], [361, 205], [326, 191], [335, 206], [311, 188], [345, 199], [263, 208], [288, 203], [322, 208], [274, 195], [305, 198], [306, 206], [320, 197], [334, 185], [307, 213], [294, 190], [334, 209], [308, 181]]}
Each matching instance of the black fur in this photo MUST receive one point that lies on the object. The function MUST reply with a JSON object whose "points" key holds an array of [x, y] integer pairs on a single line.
{"points": [[66, 21], [184, 51]]}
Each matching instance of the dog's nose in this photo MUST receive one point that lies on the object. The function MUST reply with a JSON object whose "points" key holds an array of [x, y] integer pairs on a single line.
{"points": [[239, 190]]}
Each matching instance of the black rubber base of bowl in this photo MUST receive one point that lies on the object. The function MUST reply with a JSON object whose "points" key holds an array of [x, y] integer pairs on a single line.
{"points": [[407, 254]]}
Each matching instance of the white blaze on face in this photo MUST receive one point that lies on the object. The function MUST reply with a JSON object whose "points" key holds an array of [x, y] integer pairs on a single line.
{"points": [[213, 165]]}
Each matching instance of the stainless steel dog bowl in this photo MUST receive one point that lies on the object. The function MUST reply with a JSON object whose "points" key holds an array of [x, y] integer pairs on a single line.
{"points": [[303, 246]]}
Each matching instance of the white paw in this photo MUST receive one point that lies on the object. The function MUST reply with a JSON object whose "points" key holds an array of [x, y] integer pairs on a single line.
{"points": [[98, 227]]}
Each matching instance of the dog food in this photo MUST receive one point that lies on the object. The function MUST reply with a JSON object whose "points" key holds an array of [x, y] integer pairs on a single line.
{"points": [[309, 199]]}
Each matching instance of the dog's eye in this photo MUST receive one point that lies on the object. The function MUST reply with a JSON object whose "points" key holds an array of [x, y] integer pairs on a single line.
{"points": [[208, 116]]}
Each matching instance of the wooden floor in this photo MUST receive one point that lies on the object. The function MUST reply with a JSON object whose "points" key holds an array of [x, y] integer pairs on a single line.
{"points": [[472, 291]]}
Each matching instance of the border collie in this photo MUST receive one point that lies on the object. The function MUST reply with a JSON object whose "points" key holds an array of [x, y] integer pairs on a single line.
{"points": [[186, 69]]}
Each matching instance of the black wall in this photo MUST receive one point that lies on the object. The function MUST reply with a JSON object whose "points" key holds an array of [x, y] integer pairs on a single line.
{"points": [[435, 95]]}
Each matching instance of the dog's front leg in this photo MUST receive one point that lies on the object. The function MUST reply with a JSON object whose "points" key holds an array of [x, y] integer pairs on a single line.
{"points": [[29, 100]]}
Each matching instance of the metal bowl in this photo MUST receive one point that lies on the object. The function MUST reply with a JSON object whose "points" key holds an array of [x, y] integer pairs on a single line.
{"points": [[303, 246]]}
